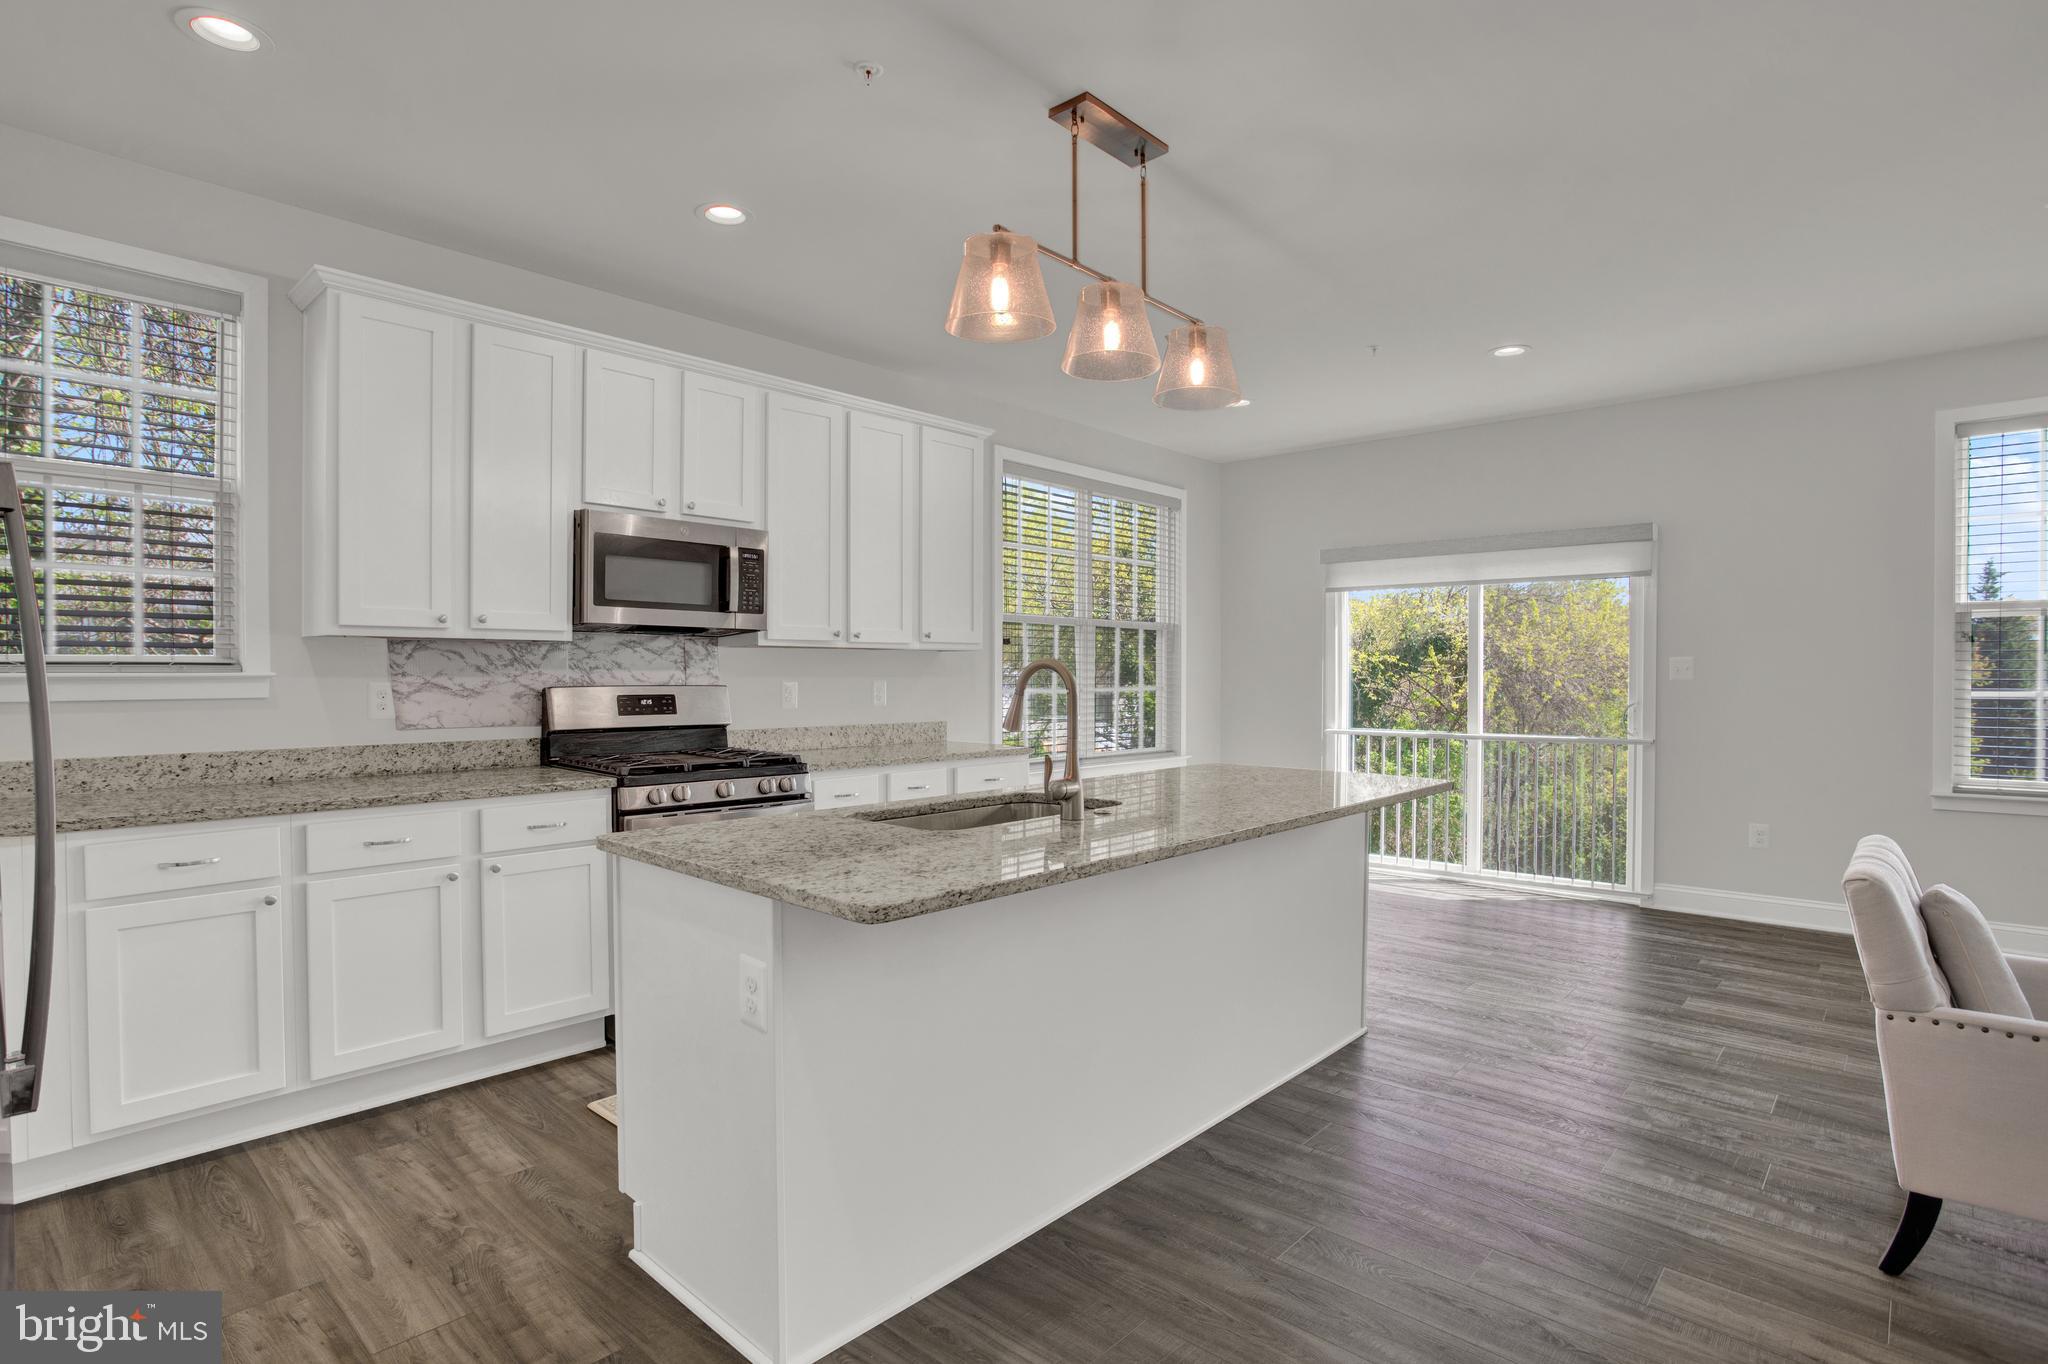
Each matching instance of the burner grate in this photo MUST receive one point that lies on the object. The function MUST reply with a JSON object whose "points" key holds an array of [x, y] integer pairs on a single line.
{"points": [[687, 760]]}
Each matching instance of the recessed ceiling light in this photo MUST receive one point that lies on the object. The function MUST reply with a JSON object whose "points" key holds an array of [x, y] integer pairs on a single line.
{"points": [[210, 26], [725, 215], [1509, 352], [1241, 402]]}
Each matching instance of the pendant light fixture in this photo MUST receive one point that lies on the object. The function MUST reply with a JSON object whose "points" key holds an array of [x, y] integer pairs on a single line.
{"points": [[1000, 294]]}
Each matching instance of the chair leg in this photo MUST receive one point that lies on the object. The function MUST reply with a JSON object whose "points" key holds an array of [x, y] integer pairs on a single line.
{"points": [[1915, 1226]]}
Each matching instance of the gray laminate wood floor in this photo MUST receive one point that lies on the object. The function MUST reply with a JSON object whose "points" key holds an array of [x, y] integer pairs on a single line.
{"points": [[1576, 1132]]}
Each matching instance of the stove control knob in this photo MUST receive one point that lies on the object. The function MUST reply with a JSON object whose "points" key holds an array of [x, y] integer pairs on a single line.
{"points": [[766, 786], [723, 790], [786, 784], [679, 794]]}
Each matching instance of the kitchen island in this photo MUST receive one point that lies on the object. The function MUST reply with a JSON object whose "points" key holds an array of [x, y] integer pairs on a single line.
{"points": [[858, 1057]]}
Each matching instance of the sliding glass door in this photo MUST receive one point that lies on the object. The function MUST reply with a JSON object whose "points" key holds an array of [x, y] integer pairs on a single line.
{"points": [[1526, 694]]}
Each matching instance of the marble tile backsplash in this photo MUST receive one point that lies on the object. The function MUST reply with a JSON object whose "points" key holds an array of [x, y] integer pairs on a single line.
{"points": [[492, 683]]}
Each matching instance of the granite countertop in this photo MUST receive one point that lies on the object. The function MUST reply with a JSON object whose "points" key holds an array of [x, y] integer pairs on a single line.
{"points": [[901, 753], [871, 872], [196, 802]]}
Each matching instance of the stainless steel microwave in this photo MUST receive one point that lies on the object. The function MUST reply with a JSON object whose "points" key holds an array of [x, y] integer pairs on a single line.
{"points": [[657, 573]]}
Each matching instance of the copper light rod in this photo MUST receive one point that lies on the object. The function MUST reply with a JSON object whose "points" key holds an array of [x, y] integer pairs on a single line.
{"points": [[1094, 273]]}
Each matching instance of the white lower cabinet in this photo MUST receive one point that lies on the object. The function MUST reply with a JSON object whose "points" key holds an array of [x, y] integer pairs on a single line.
{"points": [[846, 790], [184, 1004], [383, 968], [546, 938], [917, 783]]}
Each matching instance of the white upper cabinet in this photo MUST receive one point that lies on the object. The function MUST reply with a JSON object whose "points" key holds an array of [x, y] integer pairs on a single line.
{"points": [[952, 521], [632, 432], [723, 449], [806, 521], [523, 435], [881, 530], [394, 466]]}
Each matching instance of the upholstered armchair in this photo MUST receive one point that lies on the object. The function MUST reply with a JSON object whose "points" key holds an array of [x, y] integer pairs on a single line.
{"points": [[1961, 1043]]}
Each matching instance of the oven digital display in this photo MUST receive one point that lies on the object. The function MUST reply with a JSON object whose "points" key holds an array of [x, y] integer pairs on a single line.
{"points": [[648, 703]]}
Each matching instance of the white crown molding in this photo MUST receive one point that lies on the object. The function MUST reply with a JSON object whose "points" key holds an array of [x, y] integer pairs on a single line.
{"points": [[321, 278]]}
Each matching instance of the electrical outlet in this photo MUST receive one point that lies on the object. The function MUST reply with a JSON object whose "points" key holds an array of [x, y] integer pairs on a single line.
{"points": [[1759, 835], [754, 993], [1681, 668], [881, 692], [380, 701], [789, 696]]}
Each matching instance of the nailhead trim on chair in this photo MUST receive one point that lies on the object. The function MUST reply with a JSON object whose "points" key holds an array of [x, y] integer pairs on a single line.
{"points": [[1915, 1018]]}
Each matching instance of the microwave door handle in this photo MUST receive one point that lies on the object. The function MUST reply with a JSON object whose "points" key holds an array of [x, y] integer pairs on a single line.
{"points": [[21, 1073]]}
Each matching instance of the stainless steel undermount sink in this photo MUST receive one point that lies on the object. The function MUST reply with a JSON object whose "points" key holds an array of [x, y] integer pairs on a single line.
{"points": [[981, 816]]}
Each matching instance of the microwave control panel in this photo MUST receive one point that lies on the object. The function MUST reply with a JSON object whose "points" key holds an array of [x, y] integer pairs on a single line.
{"points": [[752, 574]]}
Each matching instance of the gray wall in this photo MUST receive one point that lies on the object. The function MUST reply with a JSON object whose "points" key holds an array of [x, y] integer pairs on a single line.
{"points": [[1800, 566], [320, 693]]}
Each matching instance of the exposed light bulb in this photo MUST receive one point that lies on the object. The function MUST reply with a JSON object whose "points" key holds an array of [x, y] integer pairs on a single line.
{"points": [[1112, 335], [1197, 371], [999, 301]]}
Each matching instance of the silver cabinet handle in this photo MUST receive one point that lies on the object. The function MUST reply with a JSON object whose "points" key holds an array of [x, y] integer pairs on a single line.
{"points": [[443, 618], [835, 634], [927, 634], [856, 634], [270, 899], [917, 788], [991, 780], [386, 842], [558, 824], [845, 795], [494, 866], [454, 876], [194, 862]]}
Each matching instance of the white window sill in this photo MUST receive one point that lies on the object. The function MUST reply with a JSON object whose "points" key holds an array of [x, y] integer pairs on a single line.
{"points": [[1110, 767], [1989, 803], [182, 686]]}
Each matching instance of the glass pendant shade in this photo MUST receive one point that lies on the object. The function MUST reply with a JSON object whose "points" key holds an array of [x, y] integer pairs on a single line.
{"points": [[1198, 373], [1000, 294], [1112, 334]]}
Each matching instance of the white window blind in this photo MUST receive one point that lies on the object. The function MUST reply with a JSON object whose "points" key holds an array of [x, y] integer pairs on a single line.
{"points": [[1091, 576], [2001, 686], [118, 413]]}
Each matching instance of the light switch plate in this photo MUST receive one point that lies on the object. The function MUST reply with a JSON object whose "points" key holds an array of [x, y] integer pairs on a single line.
{"points": [[1681, 668], [789, 696], [881, 692]]}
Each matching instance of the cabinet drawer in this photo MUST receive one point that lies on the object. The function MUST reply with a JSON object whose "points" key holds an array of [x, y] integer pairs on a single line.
{"points": [[510, 828], [843, 791], [917, 783], [382, 841], [187, 861], [1006, 774]]}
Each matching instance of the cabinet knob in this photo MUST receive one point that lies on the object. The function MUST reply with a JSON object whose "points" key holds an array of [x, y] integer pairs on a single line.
{"points": [[494, 866], [443, 618], [927, 634], [270, 899], [835, 634], [689, 506], [454, 876], [480, 618], [661, 502]]}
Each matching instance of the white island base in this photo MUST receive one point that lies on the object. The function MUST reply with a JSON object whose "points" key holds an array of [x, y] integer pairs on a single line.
{"points": [[928, 1092]]}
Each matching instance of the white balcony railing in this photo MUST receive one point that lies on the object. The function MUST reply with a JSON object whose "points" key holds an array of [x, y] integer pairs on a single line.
{"points": [[1558, 809]]}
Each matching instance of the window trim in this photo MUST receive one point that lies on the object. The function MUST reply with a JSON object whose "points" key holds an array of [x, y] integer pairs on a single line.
{"points": [[1943, 793], [251, 677], [1007, 457]]}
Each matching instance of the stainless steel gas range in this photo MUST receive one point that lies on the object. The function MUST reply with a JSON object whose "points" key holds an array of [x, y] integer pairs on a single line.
{"points": [[668, 748]]}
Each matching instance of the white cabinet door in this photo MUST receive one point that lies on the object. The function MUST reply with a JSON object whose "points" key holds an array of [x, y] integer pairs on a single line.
{"points": [[395, 466], [846, 790], [184, 1004], [522, 480], [723, 449], [632, 432], [881, 530], [806, 521], [383, 967], [952, 536], [547, 938]]}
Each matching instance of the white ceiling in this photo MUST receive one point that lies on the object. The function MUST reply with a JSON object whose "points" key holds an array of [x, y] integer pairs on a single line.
{"points": [[1655, 196]]}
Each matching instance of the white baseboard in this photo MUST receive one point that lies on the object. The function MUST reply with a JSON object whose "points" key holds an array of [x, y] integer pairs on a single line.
{"points": [[1820, 915]]}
